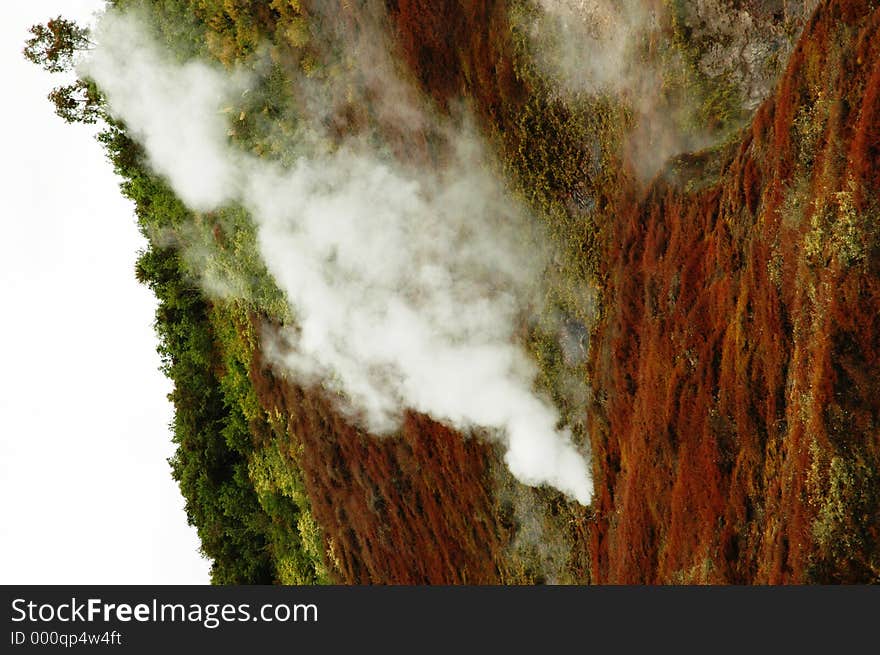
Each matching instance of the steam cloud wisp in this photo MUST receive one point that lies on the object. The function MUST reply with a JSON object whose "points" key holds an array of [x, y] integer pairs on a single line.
{"points": [[406, 285]]}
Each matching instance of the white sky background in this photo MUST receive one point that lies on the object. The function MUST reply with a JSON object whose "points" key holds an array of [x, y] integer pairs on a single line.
{"points": [[86, 495]]}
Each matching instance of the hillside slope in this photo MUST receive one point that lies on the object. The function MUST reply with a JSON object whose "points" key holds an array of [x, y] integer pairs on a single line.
{"points": [[736, 432], [708, 331]]}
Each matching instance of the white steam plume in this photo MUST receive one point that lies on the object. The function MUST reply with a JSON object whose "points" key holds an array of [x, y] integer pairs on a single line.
{"points": [[601, 47], [596, 43], [407, 286]]}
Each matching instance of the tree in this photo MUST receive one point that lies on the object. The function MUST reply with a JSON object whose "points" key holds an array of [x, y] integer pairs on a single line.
{"points": [[79, 102], [54, 44]]}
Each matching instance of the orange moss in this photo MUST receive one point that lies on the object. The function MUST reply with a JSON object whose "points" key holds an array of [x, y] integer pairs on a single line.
{"points": [[714, 378], [410, 509]]}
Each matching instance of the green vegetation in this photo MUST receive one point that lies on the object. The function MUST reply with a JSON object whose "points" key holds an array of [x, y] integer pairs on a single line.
{"points": [[845, 493], [704, 105], [243, 489], [255, 526], [211, 435]]}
